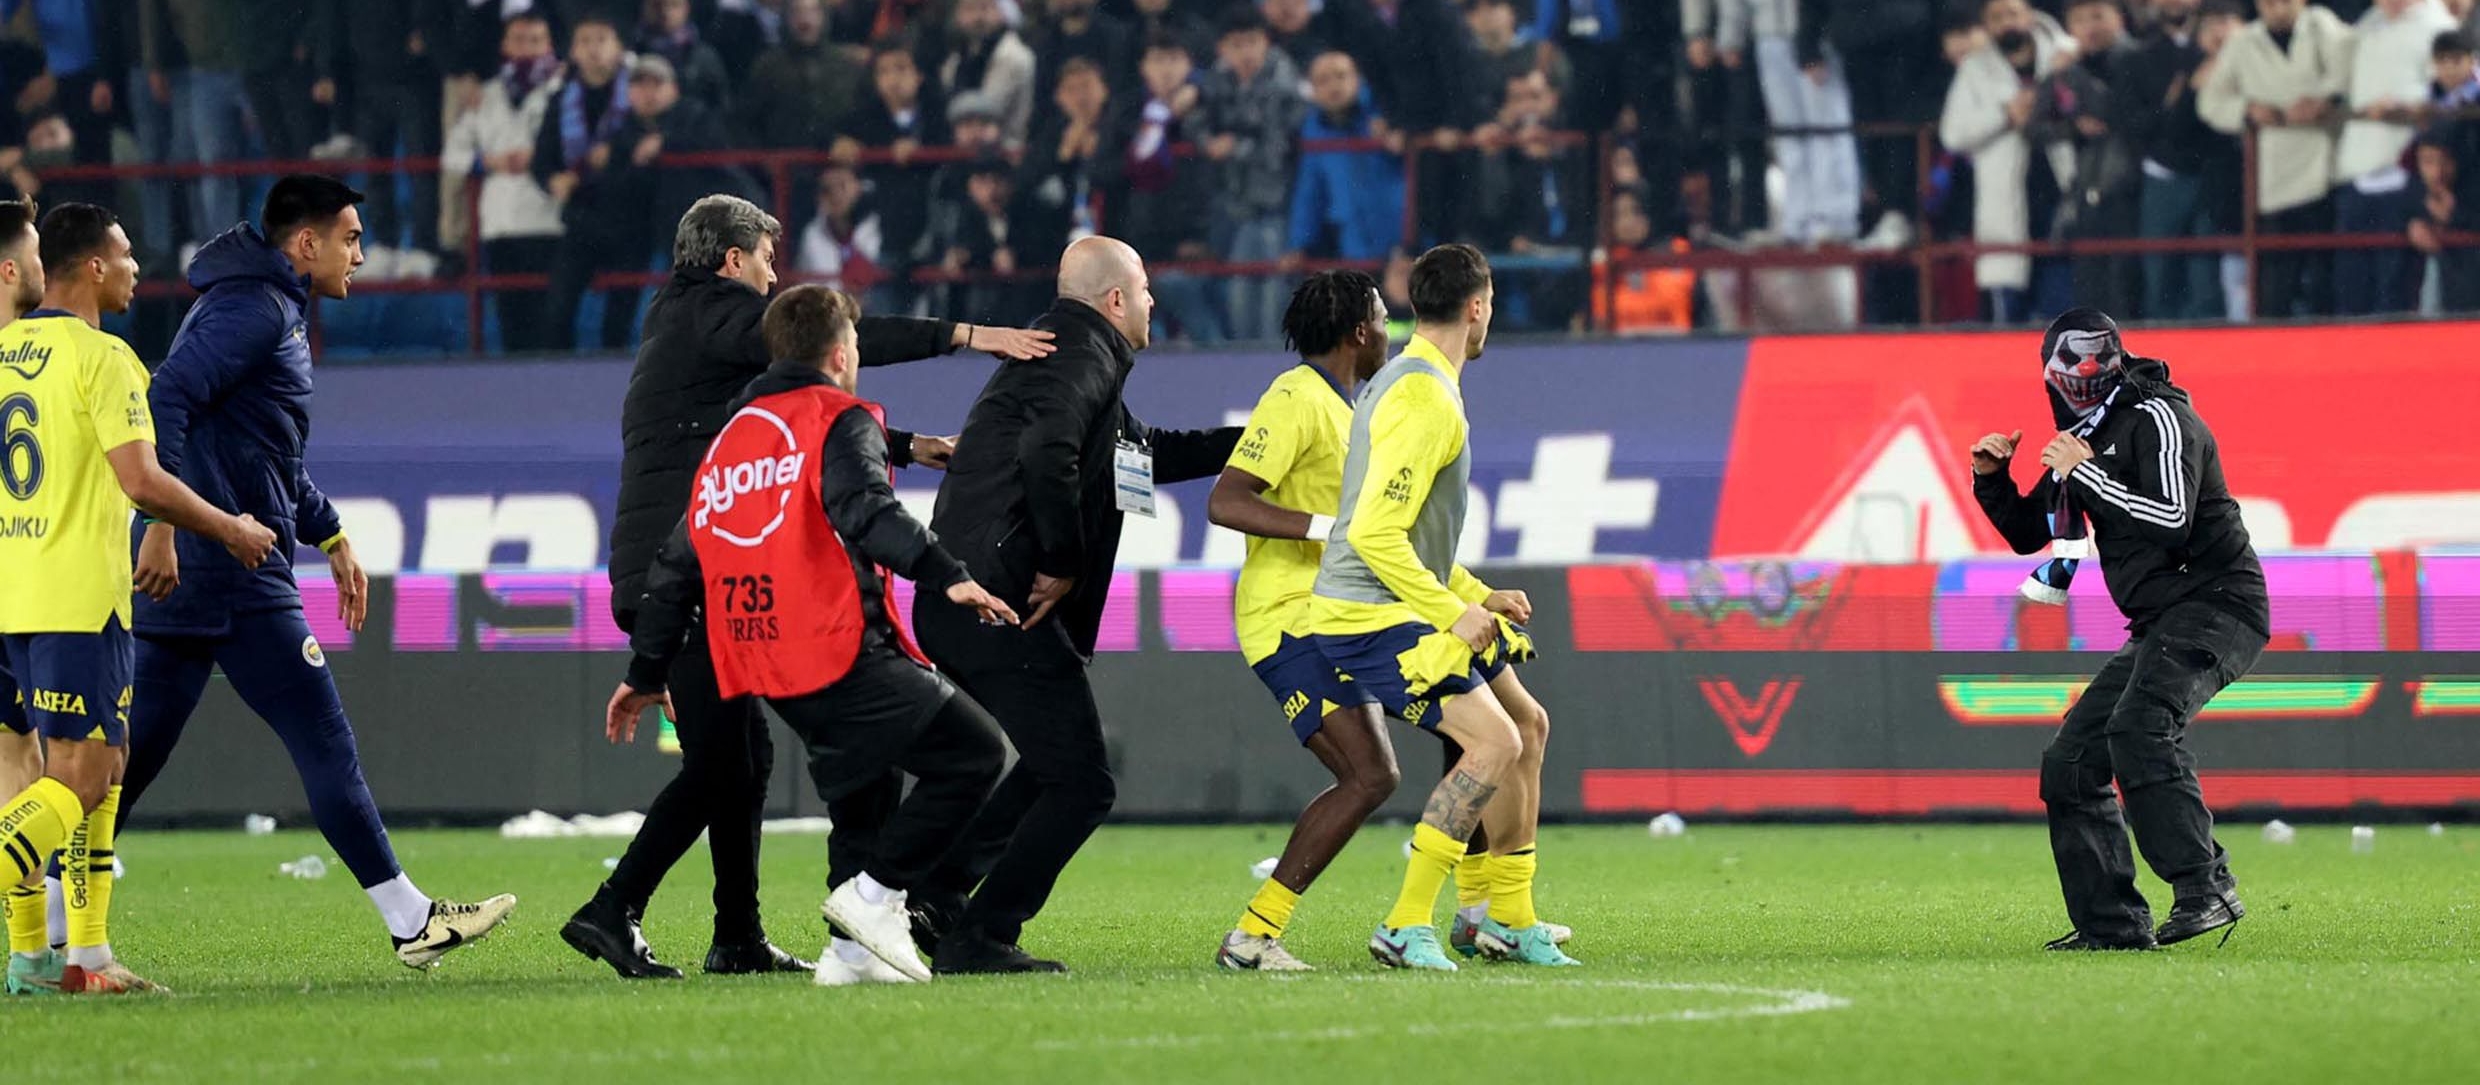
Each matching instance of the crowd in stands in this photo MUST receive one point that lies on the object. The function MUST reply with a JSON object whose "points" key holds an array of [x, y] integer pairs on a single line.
{"points": [[1579, 141]]}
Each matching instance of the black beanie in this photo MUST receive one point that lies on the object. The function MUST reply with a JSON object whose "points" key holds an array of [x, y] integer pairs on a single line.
{"points": [[2081, 319]]}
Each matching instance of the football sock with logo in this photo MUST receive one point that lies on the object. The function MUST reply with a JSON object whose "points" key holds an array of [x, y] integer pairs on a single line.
{"points": [[25, 905], [1269, 911], [86, 875], [1511, 888], [404, 907], [34, 824], [1434, 855]]}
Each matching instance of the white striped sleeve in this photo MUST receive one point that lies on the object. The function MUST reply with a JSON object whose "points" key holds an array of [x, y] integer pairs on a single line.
{"points": [[2174, 505]]}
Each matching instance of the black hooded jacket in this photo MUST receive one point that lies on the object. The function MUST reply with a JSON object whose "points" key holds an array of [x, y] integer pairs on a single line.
{"points": [[1030, 490], [700, 348], [2164, 525], [859, 500]]}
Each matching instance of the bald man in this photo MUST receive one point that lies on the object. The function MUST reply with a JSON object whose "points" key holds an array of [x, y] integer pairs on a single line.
{"points": [[1049, 462]]}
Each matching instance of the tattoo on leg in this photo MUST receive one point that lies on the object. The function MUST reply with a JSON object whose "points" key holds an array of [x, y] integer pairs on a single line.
{"points": [[1455, 806]]}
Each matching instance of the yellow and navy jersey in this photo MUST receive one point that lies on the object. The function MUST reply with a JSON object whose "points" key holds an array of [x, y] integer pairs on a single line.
{"points": [[1392, 559], [68, 394], [1295, 441]]}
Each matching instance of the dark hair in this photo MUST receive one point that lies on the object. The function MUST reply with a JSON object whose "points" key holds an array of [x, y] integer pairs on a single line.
{"points": [[16, 217], [2451, 43], [2114, 4], [593, 18], [891, 44], [1164, 41], [1325, 308], [304, 199], [1243, 19], [73, 232], [805, 321], [1444, 279], [529, 15], [2229, 9], [1077, 65]]}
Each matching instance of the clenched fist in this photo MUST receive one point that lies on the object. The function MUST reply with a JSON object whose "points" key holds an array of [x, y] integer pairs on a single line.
{"points": [[1990, 454]]}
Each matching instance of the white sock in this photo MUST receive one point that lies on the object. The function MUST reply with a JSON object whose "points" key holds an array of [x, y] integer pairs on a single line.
{"points": [[404, 907], [55, 913], [1475, 914], [871, 891], [91, 958], [850, 952]]}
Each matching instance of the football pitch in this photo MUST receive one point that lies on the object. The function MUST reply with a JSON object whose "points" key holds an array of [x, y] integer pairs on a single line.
{"points": [[1772, 954]]}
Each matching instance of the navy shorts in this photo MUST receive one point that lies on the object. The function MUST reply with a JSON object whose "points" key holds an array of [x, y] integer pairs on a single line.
{"points": [[70, 685], [1306, 685], [1410, 669]]}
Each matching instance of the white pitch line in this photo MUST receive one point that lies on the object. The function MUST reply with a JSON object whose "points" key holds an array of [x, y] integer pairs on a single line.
{"points": [[1784, 1002]]}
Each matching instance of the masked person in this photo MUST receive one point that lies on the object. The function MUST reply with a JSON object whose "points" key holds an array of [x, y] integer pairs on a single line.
{"points": [[2134, 474]]}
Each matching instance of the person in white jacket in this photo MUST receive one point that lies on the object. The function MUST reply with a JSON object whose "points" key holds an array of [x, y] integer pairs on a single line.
{"points": [[1821, 169], [2285, 76], [2373, 192], [1986, 109], [519, 222]]}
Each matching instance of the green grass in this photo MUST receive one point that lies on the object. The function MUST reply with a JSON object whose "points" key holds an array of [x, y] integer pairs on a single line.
{"points": [[1923, 942]]}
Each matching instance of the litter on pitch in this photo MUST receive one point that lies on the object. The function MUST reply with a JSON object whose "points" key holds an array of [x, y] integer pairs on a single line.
{"points": [[1667, 825], [258, 825], [1264, 868], [2363, 839], [2279, 831], [543, 825]]}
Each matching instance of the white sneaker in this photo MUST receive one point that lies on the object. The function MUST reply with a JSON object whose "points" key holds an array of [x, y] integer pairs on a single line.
{"points": [[885, 928], [1244, 952], [834, 972]]}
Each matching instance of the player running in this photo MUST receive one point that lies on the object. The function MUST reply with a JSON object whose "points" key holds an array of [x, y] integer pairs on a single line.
{"points": [[76, 450], [1281, 488], [234, 398], [1419, 633]]}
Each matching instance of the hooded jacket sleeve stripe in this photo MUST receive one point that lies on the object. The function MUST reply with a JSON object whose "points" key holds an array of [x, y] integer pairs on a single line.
{"points": [[2165, 474]]}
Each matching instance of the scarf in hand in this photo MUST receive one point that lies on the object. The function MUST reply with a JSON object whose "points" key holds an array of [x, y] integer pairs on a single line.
{"points": [[575, 140], [2070, 534]]}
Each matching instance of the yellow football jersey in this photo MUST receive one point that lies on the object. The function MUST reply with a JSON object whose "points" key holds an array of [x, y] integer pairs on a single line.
{"points": [[1295, 441], [68, 394]]}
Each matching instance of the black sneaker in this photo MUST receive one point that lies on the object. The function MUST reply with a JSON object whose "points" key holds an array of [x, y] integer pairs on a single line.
{"points": [[931, 920], [607, 931], [752, 958], [2077, 942], [2200, 915], [967, 953]]}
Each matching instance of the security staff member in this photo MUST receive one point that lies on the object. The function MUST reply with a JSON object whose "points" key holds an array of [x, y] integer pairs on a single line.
{"points": [[702, 345], [783, 560], [1049, 462], [2134, 462]]}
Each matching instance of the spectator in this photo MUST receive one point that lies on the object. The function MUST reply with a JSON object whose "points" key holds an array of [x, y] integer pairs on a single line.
{"points": [[218, 118], [2185, 163], [469, 39], [1889, 50], [1507, 52], [974, 118], [1348, 204], [987, 58], [1634, 299], [1418, 60], [1180, 21], [980, 237], [742, 30], [800, 91], [1986, 110], [572, 161], [662, 120], [1296, 29], [1589, 34], [2389, 88], [900, 117], [2447, 202], [1540, 200], [1164, 192], [121, 31], [2078, 105], [1728, 128], [1821, 169], [1251, 108], [842, 245], [275, 48], [81, 91], [1077, 29], [1073, 165], [2281, 75], [520, 223], [668, 32], [388, 71], [2455, 82]]}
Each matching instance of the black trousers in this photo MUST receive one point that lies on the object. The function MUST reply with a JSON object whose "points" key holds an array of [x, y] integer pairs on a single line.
{"points": [[524, 315], [941, 738], [280, 103], [2297, 282], [389, 118], [587, 250], [2130, 726], [1061, 788], [726, 762]]}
